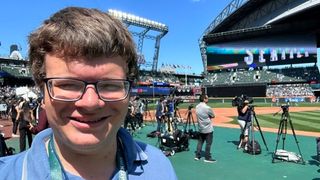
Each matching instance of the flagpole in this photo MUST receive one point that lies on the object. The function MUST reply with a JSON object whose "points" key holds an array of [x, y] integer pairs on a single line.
{"points": [[153, 89], [186, 79]]}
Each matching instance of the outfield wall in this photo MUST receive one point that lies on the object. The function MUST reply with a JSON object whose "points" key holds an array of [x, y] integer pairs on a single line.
{"points": [[266, 99], [236, 90]]}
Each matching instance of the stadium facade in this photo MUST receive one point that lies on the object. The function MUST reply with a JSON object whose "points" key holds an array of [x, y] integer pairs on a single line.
{"points": [[256, 45]]}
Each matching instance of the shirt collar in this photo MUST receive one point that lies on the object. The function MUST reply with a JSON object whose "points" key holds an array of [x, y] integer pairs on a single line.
{"points": [[135, 155], [134, 152]]}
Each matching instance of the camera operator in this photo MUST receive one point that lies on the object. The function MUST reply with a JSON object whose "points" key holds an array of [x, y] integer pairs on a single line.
{"points": [[160, 111], [204, 115], [138, 111], [146, 111], [25, 117], [130, 117], [176, 103], [244, 120], [170, 115]]}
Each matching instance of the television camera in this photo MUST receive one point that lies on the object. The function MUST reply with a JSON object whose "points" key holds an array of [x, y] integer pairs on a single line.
{"points": [[172, 104], [177, 102], [285, 107], [239, 101], [190, 107]]}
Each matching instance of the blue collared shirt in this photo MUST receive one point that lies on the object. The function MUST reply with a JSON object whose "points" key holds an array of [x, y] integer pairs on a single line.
{"points": [[143, 161]]}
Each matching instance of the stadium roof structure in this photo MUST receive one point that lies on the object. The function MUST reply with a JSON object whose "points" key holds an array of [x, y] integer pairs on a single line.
{"points": [[10, 61], [145, 26], [299, 19], [245, 19]]}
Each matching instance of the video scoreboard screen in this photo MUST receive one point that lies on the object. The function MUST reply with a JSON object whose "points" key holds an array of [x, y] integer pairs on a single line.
{"points": [[266, 51]]}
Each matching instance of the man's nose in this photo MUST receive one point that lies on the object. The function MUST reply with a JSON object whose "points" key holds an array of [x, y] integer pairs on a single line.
{"points": [[90, 99]]}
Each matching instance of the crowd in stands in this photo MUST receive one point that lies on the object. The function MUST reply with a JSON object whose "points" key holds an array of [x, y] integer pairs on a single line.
{"points": [[170, 78], [147, 76], [289, 90], [16, 71], [292, 74]]}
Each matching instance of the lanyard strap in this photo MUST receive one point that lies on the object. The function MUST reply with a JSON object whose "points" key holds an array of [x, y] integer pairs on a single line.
{"points": [[56, 169], [120, 161], [58, 173]]}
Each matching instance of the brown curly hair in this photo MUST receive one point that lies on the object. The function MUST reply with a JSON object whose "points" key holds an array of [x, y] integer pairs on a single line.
{"points": [[76, 32]]}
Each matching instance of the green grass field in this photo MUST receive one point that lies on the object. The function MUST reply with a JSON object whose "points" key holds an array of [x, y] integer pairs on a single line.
{"points": [[228, 104], [303, 121]]}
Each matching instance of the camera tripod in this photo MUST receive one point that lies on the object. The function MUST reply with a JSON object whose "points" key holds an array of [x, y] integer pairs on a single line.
{"points": [[254, 120], [282, 132], [187, 126], [147, 114], [177, 115]]}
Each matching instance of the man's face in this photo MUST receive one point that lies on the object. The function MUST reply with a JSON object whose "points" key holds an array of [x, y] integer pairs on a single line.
{"points": [[89, 123]]}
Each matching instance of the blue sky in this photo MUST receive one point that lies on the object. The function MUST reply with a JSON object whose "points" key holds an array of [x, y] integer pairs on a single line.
{"points": [[186, 19]]}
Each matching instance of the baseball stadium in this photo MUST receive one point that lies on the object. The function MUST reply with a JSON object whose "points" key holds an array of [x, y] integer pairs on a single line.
{"points": [[263, 52]]}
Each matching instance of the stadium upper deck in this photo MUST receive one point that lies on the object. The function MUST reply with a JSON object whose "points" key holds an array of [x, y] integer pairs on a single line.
{"points": [[243, 22]]}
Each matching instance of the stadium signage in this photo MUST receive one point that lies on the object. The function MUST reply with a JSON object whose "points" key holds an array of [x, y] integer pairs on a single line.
{"points": [[263, 51]]}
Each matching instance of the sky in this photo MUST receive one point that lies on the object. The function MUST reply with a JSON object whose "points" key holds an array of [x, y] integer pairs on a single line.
{"points": [[186, 20]]}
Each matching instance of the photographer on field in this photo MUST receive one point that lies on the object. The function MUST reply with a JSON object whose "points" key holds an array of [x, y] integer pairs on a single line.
{"points": [[244, 120]]}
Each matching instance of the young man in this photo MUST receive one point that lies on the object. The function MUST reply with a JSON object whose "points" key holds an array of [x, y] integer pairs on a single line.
{"points": [[159, 115], [83, 60], [244, 121], [204, 115]]}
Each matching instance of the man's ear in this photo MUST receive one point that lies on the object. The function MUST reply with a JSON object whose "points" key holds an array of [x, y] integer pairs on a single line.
{"points": [[43, 105]]}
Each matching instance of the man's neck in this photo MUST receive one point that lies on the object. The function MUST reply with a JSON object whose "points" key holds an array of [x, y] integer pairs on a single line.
{"points": [[96, 165]]}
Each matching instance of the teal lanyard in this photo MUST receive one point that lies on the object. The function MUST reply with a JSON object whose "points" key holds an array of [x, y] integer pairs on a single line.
{"points": [[121, 161], [57, 171]]}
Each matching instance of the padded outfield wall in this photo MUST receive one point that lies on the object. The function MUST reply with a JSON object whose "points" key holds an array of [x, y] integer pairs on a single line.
{"points": [[236, 90]]}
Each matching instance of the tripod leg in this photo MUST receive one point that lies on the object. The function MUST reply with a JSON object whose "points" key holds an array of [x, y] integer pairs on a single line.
{"points": [[280, 131], [152, 120], [264, 141], [180, 117], [150, 115], [194, 125], [295, 137], [284, 134], [168, 124], [162, 125], [187, 122]]}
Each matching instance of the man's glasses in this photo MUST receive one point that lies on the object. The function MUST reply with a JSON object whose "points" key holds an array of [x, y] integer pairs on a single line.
{"points": [[70, 90]]}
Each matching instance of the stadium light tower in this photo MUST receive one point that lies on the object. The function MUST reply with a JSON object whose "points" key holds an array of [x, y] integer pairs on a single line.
{"points": [[146, 25]]}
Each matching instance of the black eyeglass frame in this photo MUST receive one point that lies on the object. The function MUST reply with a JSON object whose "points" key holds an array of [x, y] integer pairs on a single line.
{"points": [[129, 83]]}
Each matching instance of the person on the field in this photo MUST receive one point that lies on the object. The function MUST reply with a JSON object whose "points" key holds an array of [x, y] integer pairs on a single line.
{"points": [[244, 121]]}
